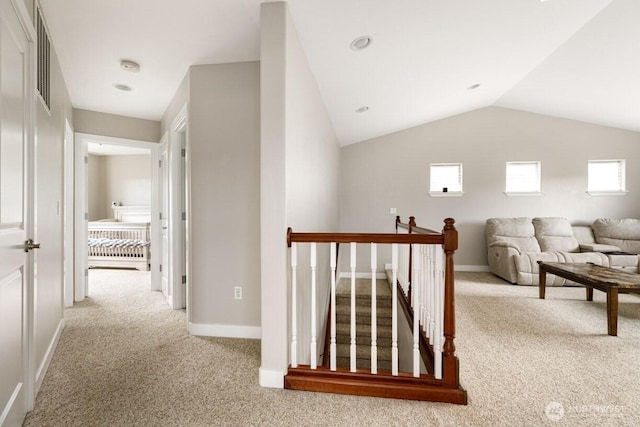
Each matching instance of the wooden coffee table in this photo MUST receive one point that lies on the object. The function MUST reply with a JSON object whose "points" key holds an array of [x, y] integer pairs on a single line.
{"points": [[609, 280]]}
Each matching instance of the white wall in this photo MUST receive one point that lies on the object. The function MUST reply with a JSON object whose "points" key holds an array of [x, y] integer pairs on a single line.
{"points": [[393, 171], [224, 156], [300, 165]]}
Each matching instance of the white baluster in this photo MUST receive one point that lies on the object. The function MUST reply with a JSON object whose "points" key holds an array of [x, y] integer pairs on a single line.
{"points": [[374, 332], [352, 355], [332, 348], [416, 280], [394, 309], [314, 332], [294, 310], [433, 286], [439, 314]]}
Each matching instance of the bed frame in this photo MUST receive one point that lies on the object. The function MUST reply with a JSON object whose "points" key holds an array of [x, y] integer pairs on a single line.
{"points": [[119, 242]]}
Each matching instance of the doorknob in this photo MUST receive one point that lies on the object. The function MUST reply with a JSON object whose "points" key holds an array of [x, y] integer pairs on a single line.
{"points": [[28, 245]]}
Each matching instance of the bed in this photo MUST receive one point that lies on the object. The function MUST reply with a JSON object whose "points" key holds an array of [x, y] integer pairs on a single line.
{"points": [[122, 241]]}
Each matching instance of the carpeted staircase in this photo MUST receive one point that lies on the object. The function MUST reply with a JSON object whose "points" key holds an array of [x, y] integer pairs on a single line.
{"points": [[363, 323]]}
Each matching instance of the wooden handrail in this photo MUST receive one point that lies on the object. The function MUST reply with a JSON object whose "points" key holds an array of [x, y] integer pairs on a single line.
{"points": [[426, 239]]}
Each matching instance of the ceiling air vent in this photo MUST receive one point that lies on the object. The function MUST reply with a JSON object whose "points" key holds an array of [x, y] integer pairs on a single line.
{"points": [[44, 60]]}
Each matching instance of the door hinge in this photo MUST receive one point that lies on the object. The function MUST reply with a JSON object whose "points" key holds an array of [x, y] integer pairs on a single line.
{"points": [[160, 164], [184, 216], [160, 215], [184, 280], [86, 160], [160, 268], [86, 216], [183, 152]]}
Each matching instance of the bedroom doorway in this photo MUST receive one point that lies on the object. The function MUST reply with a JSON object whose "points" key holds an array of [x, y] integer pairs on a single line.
{"points": [[174, 213], [117, 179]]}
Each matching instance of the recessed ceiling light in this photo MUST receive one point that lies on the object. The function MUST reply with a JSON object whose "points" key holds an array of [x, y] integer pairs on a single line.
{"points": [[362, 109], [361, 42], [122, 87], [128, 65], [474, 86]]}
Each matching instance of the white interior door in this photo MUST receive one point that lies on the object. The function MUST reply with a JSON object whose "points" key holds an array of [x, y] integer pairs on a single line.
{"points": [[16, 204]]}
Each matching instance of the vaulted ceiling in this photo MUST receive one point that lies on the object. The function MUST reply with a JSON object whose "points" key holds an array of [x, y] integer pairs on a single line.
{"points": [[575, 59]]}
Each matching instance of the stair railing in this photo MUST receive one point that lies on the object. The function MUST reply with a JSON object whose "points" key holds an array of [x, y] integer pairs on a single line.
{"points": [[432, 296]]}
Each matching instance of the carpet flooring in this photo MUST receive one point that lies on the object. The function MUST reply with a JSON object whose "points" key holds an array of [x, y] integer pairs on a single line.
{"points": [[125, 359]]}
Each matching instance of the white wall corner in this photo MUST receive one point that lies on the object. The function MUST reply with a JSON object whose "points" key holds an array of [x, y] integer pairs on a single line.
{"points": [[225, 331], [271, 379]]}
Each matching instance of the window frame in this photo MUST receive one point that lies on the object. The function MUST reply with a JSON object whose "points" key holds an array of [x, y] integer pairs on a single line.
{"points": [[622, 172], [448, 193], [537, 191]]}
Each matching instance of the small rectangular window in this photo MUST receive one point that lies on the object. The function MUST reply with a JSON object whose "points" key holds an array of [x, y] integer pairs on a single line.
{"points": [[523, 177], [446, 178], [606, 176]]}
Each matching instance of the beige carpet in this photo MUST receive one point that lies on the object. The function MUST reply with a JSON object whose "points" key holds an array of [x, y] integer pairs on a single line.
{"points": [[124, 359]]}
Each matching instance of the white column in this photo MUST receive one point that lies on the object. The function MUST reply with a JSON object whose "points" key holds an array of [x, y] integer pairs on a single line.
{"points": [[374, 307], [294, 310], [439, 313], [332, 348], [314, 332], [353, 308]]}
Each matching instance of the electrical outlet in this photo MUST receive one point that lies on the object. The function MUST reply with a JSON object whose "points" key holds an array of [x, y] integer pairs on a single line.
{"points": [[393, 211], [237, 292]]}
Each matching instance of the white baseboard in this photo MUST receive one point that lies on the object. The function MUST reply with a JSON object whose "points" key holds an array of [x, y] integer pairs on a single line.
{"points": [[271, 379], [474, 268], [225, 331], [42, 369]]}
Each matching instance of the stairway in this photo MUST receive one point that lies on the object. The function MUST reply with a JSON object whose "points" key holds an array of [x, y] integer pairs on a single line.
{"points": [[363, 323]]}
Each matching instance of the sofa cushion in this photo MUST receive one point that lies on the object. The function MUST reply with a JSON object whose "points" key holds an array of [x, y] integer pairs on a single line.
{"points": [[555, 234], [623, 233], [527, 268], [518, 232]]}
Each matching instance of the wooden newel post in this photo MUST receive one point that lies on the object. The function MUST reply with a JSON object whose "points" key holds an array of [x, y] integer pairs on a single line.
{"points": [[449, 360]]}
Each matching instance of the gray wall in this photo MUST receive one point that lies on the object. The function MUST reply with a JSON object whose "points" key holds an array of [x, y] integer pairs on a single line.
{"points": [[393, 171], [300, 160], [95, 188], [122, 179], [224, 153], [96, 123]]}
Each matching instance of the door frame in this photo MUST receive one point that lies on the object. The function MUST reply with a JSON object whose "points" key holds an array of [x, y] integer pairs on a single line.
{"points": [[179, 195], [81, 219]]}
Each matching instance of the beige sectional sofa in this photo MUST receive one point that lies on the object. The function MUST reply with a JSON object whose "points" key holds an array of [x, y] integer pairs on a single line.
{"points": [[515, 245]]}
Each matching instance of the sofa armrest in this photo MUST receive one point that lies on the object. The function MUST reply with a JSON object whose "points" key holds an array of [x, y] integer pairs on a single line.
{"points": [[504, 244], [597, 247]]}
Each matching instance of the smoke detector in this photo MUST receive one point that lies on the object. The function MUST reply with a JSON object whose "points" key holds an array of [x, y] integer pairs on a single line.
{"points": [[131, 66]]}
